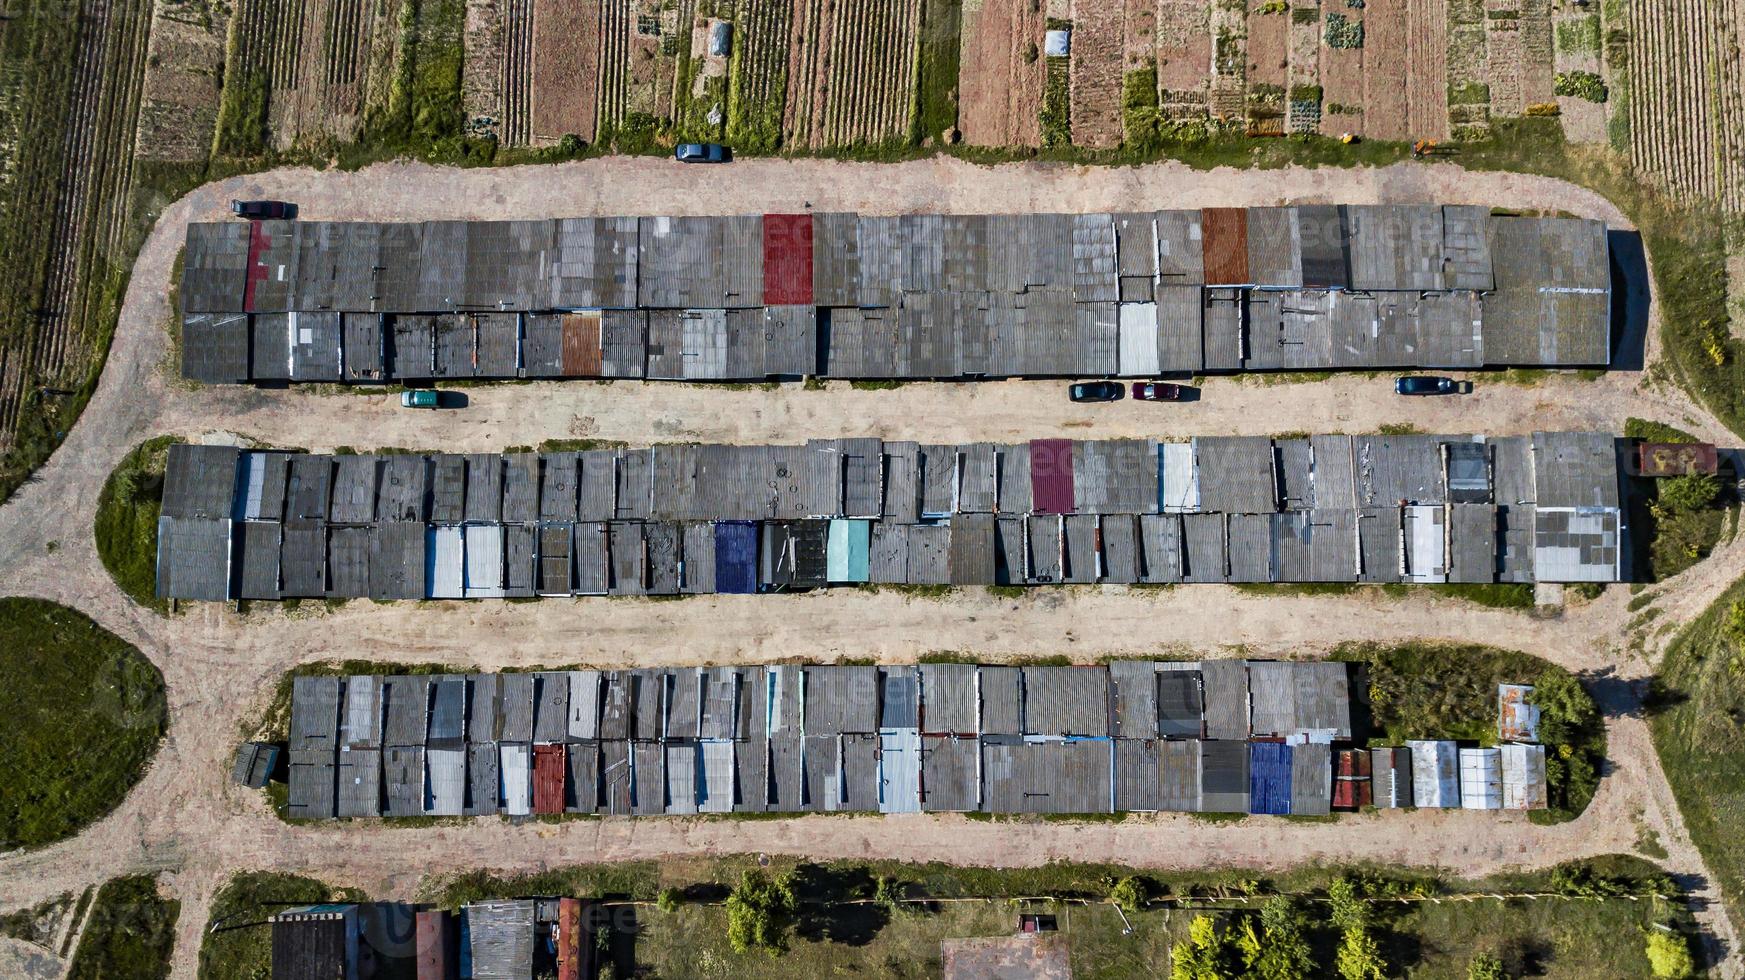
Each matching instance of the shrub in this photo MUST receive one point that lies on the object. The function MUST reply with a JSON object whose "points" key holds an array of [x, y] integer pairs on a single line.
{"points": [[1346, 908], [668, 900], [760, 912], [1207, 953], [1669, 955], [1581, 85], [1485, 966], [1130, 894], [1280, 949], [1360, 956], [1694, 491]]}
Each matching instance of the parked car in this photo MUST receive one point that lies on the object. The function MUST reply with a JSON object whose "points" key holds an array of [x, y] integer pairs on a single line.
{"points": [[263, 210], [702, 153], [421, 398], [1157, 391], [1425, 384], [1096, 391]]}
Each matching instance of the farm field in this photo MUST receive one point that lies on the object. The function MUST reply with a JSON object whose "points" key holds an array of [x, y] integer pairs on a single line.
{"points": [[70, 87], [1686, 104]]}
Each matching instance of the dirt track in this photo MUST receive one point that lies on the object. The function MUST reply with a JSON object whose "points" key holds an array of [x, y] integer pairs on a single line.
{"points": [[187, 820]]}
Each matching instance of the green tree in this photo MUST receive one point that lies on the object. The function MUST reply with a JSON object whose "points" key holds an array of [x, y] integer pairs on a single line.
{"points": [[760, 912], [1564, 708], [667, 900], [1279, 949], [1130, 894], [1694, 491], [1207, 953], [1345, 905], [1485, 966], [1360, 956], [1669, 955]]}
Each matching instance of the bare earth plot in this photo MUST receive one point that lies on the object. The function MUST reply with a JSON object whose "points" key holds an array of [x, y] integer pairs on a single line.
{"points": [[566, 54], [186, 818], [1001, 74]]}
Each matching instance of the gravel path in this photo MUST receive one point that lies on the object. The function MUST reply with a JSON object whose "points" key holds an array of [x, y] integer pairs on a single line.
{"points": [[188, 821]]}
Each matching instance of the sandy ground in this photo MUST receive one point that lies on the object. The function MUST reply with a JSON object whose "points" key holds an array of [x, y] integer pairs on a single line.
{"points": [[188, 821]]}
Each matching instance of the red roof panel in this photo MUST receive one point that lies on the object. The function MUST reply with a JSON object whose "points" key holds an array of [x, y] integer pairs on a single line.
{"points": [[787, 260]]}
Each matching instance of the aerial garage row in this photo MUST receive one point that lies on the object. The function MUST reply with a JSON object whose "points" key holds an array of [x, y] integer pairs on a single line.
{"points": [[837, 295], [680, 519], [1223, 736]]}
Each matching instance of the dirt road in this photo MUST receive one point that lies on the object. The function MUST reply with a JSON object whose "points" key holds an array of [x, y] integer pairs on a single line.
{"points": [[189, 822]]}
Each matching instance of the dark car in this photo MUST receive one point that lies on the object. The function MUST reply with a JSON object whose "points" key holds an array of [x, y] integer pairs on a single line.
{"points": [[263, 210], [1096, 391], [702, 153], [1156, 391], [1425, 384]]}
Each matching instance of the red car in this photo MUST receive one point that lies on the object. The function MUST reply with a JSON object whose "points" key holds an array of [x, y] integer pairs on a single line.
{"points": [[1156, 391]]}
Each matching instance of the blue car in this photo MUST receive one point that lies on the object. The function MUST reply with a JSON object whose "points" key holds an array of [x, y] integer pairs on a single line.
{"points": [[702, 153], [1425, 384]]}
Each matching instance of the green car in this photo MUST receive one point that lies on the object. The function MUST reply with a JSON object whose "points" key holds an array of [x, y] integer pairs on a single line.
{"points": [[421, 398]]}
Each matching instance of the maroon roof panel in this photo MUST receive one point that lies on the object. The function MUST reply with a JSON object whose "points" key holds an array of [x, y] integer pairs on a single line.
{"points": [[548, 775], [1225, 232], [1051, 476], [787, 259], [435, 933], [1676, 459]]}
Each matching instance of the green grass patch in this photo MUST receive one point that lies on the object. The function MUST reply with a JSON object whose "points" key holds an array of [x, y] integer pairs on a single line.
{"points": [[1649, 431], [1141, 122], [242, 116], [1491, 595], [81, 714], [131, 931], [1469, 93], [1449, 691], [936, 84], [888, 918], [1696, 714], [1579, 35], [242, 946], [126, 526], [1057, 105]]}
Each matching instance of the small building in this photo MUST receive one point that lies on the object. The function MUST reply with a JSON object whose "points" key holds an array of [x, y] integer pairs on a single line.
{"points": [[1390, 777], [500, 939], [316, 942], [1435, 774], [1524, 786], [516, 770], [1517, 715], [255, 762], [1311, 779], [1481, 779], [1351, 779], [548, 779], [1269, 778]]}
